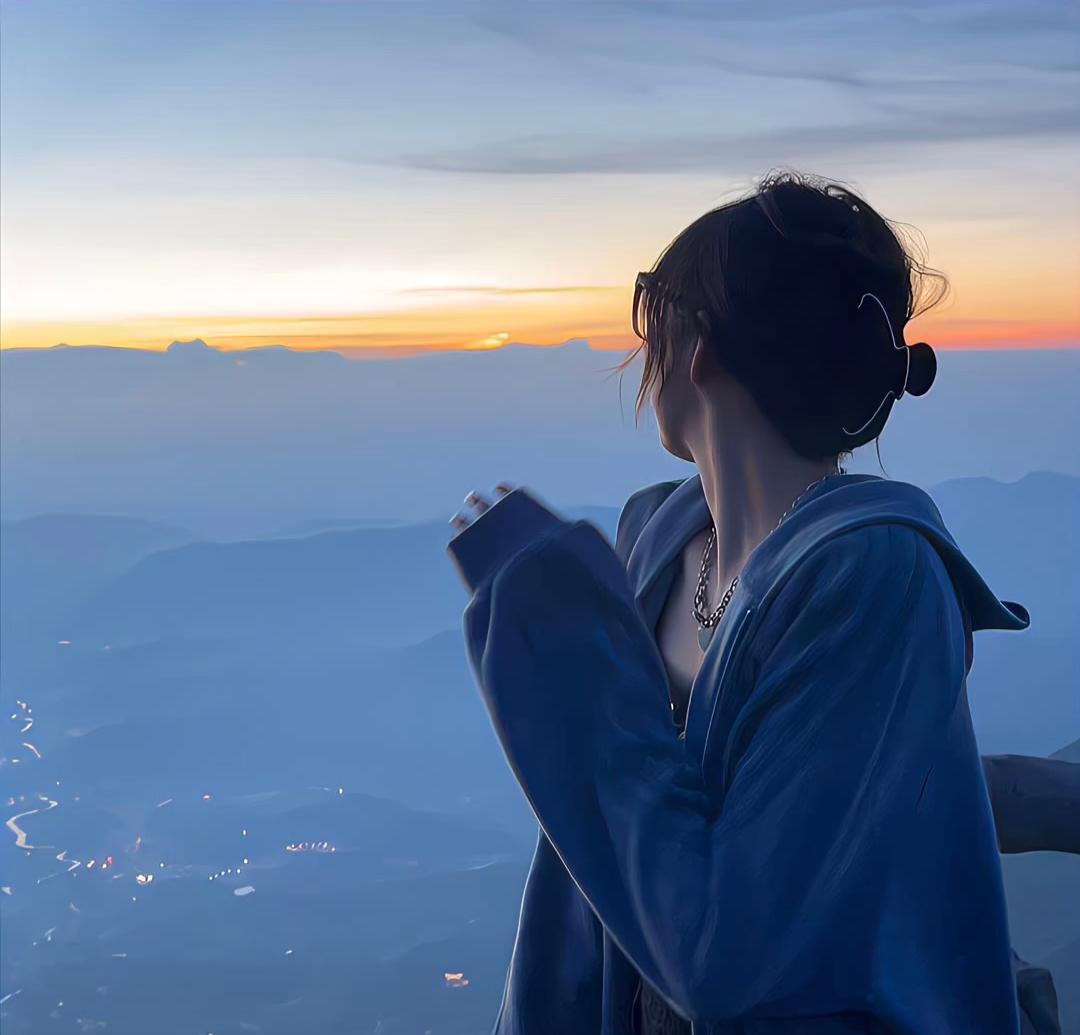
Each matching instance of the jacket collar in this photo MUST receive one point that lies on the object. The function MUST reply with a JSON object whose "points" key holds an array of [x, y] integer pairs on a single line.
{"points": [[839, 502], [673, 524]]}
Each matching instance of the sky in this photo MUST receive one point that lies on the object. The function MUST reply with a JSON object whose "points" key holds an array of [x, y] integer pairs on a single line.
{"points": [[463, 174]]}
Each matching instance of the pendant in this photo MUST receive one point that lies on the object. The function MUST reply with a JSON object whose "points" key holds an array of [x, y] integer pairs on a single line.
{"points": [[705, 635]]}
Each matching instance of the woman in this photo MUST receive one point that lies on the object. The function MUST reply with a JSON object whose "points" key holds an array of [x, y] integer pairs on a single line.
{"points": [[809, 846]]}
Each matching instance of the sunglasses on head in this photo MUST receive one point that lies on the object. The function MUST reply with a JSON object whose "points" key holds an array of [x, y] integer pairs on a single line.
{"points": [[649, 284]]}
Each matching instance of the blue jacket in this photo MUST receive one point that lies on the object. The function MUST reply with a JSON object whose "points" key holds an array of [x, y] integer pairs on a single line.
{"points": [[816, 852]]}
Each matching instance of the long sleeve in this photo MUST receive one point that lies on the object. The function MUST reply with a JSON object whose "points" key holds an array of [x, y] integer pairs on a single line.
{"points": [[756, 902], [1036, 803]]}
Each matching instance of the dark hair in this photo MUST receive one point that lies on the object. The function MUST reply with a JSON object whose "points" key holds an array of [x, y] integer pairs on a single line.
{"points": [[773, 281]]}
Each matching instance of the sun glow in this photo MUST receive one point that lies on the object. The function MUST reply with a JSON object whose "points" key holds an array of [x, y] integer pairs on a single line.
{"points": [[492, 341]]}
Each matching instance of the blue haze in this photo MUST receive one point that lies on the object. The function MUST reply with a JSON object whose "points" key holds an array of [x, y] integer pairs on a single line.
{"points": [[264, 662]]}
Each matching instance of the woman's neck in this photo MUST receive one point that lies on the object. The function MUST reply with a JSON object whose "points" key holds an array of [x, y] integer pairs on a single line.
{"points": [[748, 486]]}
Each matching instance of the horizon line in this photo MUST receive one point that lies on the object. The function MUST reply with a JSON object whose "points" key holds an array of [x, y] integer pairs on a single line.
{"points": [[405, 351]]}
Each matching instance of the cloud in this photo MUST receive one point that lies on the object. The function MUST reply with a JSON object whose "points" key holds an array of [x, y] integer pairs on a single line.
{"points": [[899, 75], [895, 127]]}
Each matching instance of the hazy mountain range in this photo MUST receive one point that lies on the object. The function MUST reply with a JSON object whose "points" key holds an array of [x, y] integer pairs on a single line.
{"points": [[107, 584], [233, 666], [240, 444]]}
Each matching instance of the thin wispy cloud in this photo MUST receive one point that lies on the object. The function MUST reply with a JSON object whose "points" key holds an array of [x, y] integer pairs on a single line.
{"points": [[573, 153]]}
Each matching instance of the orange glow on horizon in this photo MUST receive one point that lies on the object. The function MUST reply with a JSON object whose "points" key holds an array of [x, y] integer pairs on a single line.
{"points": [[942, 338], [597, 315], [480, 319]]}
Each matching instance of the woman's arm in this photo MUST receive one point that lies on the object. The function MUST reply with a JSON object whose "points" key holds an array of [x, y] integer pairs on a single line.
{"points": [[1036, 803], [733, 909]]}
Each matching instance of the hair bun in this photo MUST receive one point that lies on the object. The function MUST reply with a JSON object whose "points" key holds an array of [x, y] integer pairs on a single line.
{"points": [[923, 368]]}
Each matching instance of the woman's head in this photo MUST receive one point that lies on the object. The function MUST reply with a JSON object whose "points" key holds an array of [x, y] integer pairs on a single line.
{"points": [[757, 303]]}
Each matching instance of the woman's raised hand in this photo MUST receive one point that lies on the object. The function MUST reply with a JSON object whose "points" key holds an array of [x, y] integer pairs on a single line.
{"points": [[478, 504]]}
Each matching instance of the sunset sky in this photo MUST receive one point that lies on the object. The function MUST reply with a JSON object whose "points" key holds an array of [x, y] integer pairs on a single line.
{"points": [[463, 174]]}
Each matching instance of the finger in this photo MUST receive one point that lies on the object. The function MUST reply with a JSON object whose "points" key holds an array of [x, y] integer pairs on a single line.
{"points": [[503, 488], [459, 521], [477, 501]]}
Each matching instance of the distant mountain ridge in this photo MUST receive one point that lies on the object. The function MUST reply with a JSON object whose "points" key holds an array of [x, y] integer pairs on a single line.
{"points": [[51, 560], [1069, 753], [232, 443], [383, 585]]}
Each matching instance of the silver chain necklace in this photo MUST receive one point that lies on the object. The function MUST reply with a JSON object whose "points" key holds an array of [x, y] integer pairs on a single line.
{"points": [[707, 623]]}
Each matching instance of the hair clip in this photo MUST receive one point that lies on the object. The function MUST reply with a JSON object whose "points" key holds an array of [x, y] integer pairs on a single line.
{"points": [[907, 368]]}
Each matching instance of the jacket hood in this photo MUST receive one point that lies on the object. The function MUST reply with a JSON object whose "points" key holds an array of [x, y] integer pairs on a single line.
{"points": [[837, 504]]}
